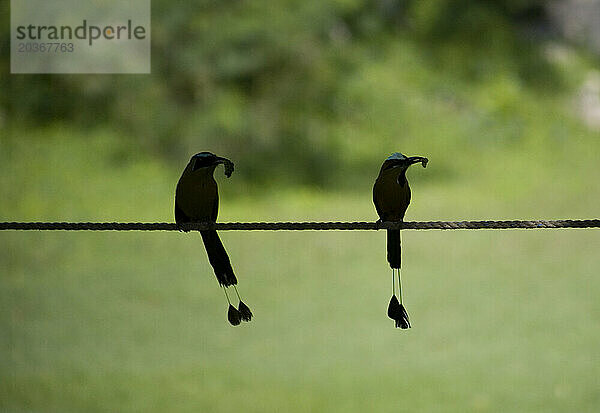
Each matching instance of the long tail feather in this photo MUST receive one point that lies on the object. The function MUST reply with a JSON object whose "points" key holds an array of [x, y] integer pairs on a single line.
{"points": [[393, 247], [217, 256], [233, 315], [245, 312]]}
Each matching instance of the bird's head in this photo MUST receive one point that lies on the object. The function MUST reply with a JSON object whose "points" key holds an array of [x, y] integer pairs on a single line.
{"points": [[210, 161], [399, 162]]}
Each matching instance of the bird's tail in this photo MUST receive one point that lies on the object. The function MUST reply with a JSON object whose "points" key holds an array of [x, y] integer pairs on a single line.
{"points": [[217, 256], [393, 247]]}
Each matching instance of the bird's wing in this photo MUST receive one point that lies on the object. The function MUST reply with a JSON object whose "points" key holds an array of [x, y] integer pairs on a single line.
{"points": [[376, 203], [180, 216], [215, 210]]}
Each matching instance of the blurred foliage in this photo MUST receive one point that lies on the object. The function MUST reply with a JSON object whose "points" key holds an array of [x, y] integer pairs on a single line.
{"points": [[284, 87]]}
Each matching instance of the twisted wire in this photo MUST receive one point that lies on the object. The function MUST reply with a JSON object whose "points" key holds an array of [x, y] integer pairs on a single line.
{"points": [[297, 226]]}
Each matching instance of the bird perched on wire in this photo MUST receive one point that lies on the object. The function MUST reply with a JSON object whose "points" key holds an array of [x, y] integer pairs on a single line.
{"points": [[197, 200], [391, 196]]}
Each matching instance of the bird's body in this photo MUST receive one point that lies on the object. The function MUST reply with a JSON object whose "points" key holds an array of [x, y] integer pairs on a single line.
{"points": [[197, 200], [197, 196], [391, 196]]}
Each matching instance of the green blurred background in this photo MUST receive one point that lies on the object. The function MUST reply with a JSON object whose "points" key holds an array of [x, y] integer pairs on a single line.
{"points": [[308, 98]]}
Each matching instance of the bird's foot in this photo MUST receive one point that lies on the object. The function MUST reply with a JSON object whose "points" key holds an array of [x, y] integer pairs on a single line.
{"points": [[182, 228]]}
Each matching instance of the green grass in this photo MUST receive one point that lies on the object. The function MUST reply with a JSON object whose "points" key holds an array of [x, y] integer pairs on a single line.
{"points": [[502, 320]]}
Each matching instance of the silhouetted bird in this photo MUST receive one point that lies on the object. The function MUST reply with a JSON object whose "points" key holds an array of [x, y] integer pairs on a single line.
{"points": [[197, 200], [391, 196]]}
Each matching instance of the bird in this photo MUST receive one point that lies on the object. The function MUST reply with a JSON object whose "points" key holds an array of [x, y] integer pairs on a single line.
{"points": [[391, 196], [197, 200]]}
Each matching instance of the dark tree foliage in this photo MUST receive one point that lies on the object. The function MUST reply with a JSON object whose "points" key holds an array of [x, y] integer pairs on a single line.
{"points": [[261, 79]]}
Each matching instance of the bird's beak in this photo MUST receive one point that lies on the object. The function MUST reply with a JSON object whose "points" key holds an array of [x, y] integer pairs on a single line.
{"points": [[227, 163], [417, 159]]}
